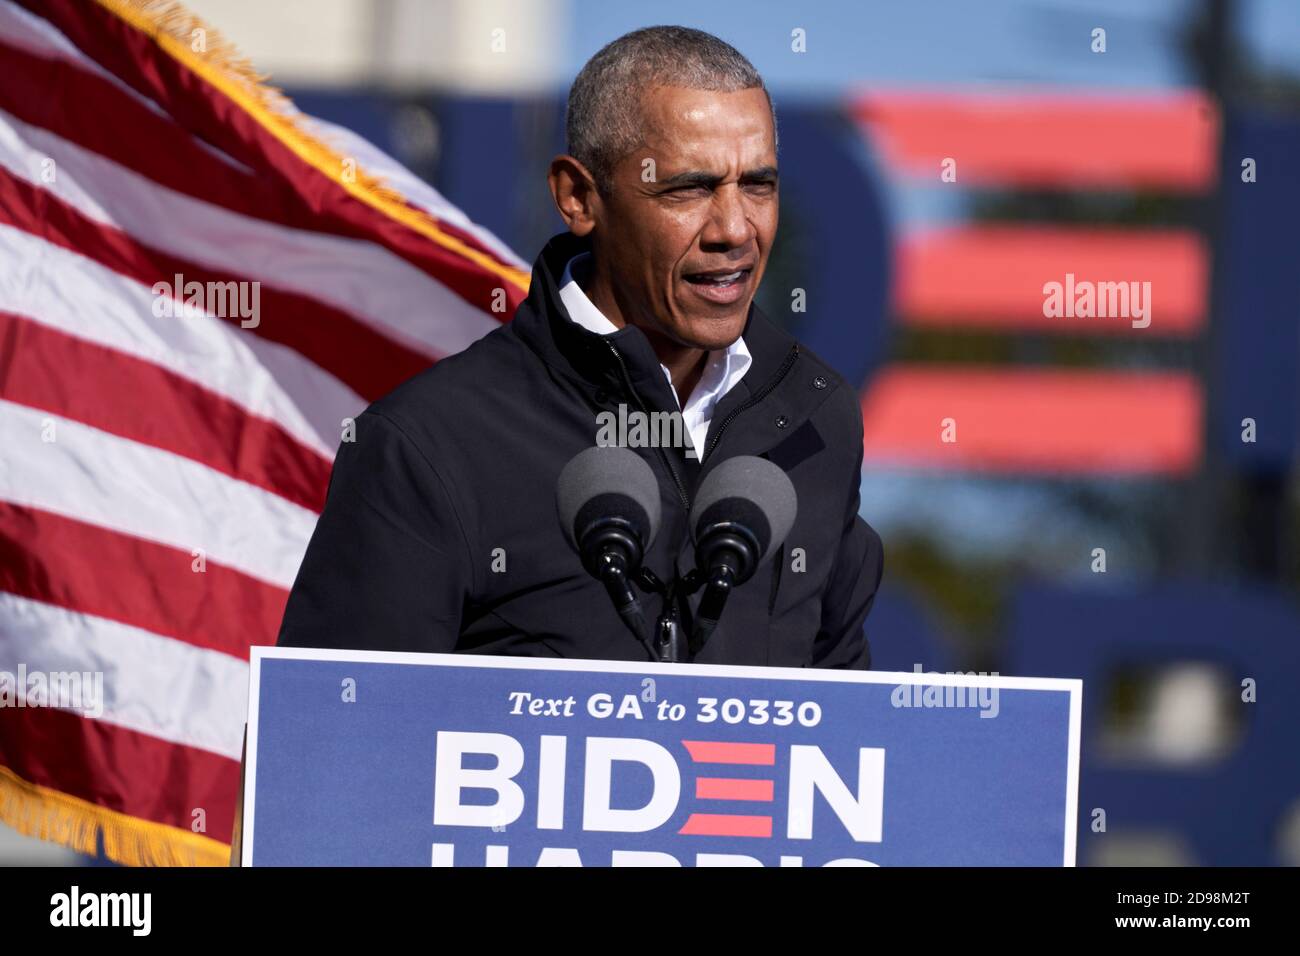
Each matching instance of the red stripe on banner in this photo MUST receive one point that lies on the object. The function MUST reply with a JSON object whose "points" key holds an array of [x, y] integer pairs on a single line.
{"points": [[1033, 420], [1166, 140], [725, 788], [136, 399], [135, 58], [123, 770], [368, 362], [96, 571], [722, 824], [716, 751], [994, 277]]}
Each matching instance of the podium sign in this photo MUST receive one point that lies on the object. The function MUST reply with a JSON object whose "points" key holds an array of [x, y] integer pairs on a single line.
{"points": [[384, 759]]}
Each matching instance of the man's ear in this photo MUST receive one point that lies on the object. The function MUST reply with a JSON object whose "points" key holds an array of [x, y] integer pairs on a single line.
{"points": [[574, 190]]}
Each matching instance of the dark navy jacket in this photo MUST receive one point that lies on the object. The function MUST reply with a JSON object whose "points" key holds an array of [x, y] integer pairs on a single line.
{"points": [[440, 531]]}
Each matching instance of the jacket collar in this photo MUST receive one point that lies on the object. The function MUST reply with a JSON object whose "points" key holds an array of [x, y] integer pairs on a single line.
{"points": [[544, 324]]}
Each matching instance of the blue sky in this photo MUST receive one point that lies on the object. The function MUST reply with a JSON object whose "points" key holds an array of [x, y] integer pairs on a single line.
{"points": [[945, 42]]}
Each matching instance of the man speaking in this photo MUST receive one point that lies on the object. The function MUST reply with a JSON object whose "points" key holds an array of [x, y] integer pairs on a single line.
{"points": [[441, 533]]}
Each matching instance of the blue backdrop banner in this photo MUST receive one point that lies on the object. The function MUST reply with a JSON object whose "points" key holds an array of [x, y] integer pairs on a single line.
{"points": [[378, 759]]}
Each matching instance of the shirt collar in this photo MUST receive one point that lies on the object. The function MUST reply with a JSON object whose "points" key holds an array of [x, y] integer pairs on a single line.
{"points": [[723, 369], [581, 309]]}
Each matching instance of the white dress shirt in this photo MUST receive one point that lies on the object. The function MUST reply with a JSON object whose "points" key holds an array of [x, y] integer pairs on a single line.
{"points": [[722, 368]]}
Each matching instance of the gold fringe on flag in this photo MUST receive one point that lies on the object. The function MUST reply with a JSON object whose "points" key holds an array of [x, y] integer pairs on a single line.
{"points": [[173, 28], [38, 811]]}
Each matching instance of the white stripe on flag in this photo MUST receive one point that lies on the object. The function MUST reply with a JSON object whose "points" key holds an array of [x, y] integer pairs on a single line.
{"points": [[417, 192], [364, 280], [80, 297], [127, 486], [152, 684], [37, 36]]}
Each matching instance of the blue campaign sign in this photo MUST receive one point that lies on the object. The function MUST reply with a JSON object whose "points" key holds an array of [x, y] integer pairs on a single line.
{"points": [[380, 759]]}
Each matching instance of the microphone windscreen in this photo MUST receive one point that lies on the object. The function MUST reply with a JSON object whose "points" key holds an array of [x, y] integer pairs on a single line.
{"points": [[608, 481], [750, 491]]}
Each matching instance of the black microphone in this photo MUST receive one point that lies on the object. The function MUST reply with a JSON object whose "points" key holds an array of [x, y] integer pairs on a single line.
{"points": [[607, 499], [743, 510]]}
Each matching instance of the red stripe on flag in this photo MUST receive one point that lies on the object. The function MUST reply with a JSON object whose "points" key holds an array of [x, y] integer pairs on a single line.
{"points": [[727, 788], [120, 769], [134, 57], [368, 362], [128, 396], [115, 125], [92, 570], [716, 751]]}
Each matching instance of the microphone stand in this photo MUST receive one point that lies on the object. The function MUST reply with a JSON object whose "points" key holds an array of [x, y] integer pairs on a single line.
{"points": [[668, 631], [613, 574], [711, 605], [668, 645]]}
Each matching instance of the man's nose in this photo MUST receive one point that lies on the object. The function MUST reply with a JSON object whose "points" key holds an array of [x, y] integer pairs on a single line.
{"points": [[728, 225]]}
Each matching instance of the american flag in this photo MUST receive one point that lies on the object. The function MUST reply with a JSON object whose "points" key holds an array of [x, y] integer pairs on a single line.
{"points": [[199, 287]]}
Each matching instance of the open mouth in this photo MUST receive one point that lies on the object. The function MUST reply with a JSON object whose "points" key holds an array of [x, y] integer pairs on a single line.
{"points": [[718, 279], [720, 287]]}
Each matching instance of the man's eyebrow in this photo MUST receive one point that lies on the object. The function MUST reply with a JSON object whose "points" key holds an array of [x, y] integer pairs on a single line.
{"points": [[762, 174]]}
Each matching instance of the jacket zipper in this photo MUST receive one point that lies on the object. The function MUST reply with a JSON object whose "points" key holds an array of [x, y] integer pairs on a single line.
{"points": [[627, 382], [752, 400], [748, 403]]}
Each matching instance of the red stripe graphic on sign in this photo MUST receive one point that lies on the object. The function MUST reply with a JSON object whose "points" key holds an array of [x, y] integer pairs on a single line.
{"points": [[726, 824], [724, 788], [716, 751]]}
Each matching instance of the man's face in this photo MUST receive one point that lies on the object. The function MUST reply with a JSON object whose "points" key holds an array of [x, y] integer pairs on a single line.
{"points": [[687, 251]]}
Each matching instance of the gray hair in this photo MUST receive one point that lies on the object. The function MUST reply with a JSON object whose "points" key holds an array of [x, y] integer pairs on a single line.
{"points": [[603, 121]]}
